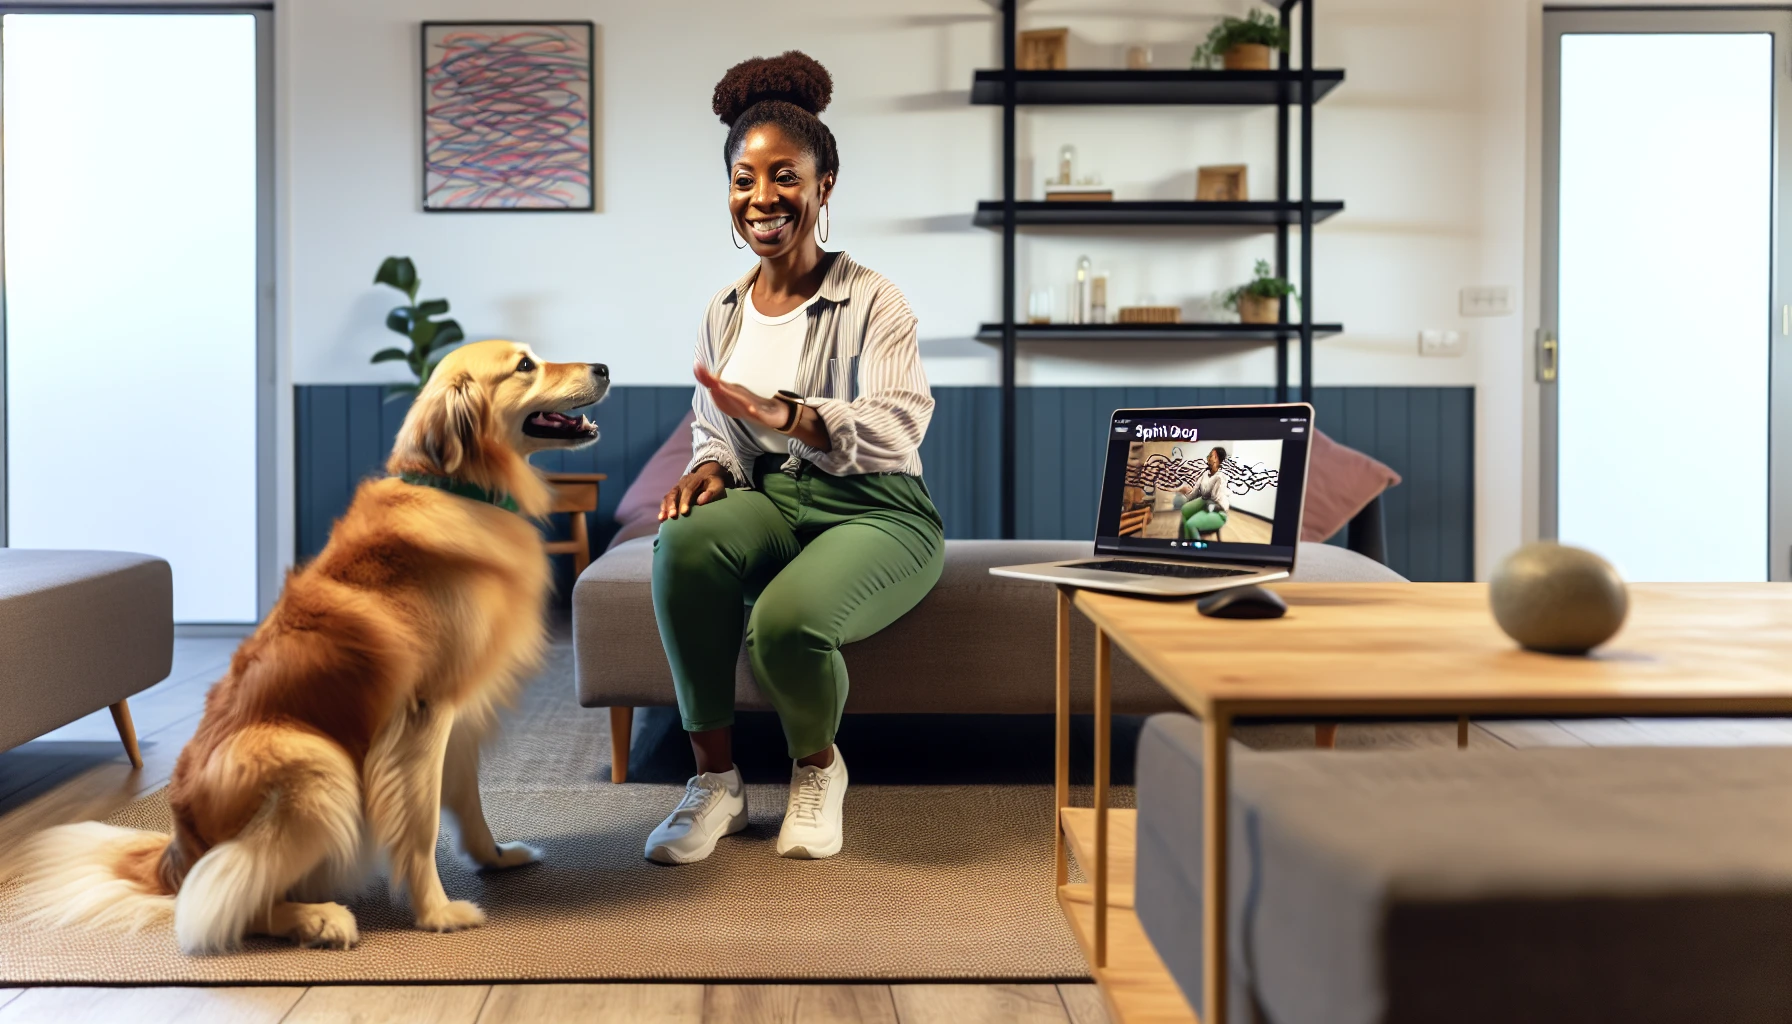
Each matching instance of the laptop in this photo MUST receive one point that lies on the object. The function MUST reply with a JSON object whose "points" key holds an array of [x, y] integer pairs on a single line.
{"points": [[1194, 500]]}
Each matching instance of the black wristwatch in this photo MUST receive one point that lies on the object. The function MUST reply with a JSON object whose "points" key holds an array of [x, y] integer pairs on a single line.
{"points": [[796, 403]]}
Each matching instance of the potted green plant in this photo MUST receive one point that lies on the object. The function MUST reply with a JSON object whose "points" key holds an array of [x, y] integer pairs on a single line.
{"points": [[1260, 301], [1243, 44], [430, 337]]}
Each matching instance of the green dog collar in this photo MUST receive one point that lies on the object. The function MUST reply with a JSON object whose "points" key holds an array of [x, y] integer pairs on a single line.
{"points": [[465, 490]]}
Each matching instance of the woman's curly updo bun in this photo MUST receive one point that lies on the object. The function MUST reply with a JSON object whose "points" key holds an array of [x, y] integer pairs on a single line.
{"points": [[788, 91]]}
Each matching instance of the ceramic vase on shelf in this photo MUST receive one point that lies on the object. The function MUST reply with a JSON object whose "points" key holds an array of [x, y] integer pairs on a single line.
{"points": [[1258, 309], [1248, 57]]}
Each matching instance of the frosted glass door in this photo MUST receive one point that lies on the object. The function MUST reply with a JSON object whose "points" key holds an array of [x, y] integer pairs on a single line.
{"points": [[1663, 301], [131, 293]]}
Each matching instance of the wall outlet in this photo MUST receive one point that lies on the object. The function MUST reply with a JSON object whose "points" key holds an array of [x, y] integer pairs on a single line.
{"points": [[1486, 300], [1440, 343]]}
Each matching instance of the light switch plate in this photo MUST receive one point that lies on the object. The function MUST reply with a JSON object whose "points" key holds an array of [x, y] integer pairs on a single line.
{"points": [[1486, 300], [1440, 343]]}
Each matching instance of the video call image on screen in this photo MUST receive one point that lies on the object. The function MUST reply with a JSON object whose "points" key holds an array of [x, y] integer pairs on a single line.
{"points": [[1201, 491]]}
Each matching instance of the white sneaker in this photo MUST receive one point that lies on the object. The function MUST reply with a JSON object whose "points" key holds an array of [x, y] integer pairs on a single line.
{"points": [[812, 821], [714, 805]]}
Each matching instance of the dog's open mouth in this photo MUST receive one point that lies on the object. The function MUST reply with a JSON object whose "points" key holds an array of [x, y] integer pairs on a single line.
{"points": [[557, 426]]}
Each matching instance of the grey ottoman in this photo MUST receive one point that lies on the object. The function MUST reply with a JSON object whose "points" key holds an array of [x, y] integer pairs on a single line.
{"points": [[978, 644], [1570, 885], [80, 631]]}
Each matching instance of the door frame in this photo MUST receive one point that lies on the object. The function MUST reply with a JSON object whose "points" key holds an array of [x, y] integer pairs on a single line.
{"points": [[1776, 22], [267, 561]]}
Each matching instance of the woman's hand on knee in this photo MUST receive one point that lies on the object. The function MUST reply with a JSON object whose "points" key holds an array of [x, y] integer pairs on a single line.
{"points": [[698, 487]]}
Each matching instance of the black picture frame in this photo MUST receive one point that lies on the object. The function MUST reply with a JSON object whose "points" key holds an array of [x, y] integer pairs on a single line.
{"points": [[430, 173]]}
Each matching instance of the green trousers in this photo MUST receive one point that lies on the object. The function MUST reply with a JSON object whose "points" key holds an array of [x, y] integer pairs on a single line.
{"points": [[1201, 516], [821, 560]]}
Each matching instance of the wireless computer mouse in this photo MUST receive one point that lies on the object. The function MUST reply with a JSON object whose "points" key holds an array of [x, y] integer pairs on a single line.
{"points": [[1251, 602]]}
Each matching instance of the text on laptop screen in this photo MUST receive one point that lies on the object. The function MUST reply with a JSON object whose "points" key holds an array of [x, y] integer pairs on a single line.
{"points": [[1209, 483]]}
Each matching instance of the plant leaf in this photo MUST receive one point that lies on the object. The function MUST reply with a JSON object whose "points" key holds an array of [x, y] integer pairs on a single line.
{"points": [[395, 391], [386, 355], [448, 332], [432, 307], [400, 319], [398, 272], [423, 334]]}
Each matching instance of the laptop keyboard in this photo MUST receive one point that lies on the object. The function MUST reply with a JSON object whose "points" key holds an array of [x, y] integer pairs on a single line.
{"points": [[1191, 572]]}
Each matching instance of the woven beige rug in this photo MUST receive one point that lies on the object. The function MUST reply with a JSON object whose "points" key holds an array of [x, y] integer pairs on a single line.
{"points": [[936, 882]]}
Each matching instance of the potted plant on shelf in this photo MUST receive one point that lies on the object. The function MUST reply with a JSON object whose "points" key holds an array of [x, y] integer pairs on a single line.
{"points": [[1260, 301], [430, 338], [1243, 44]]}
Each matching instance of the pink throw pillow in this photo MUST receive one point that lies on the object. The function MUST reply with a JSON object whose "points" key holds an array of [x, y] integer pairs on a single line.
{"points": [[640, 505], [1341, 481]]}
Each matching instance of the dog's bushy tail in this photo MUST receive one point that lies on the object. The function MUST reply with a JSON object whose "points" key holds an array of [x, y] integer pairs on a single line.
{"points": [[91, 875]]}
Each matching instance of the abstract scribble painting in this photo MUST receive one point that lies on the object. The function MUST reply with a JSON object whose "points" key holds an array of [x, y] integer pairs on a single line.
{"points": [[507, 115]]}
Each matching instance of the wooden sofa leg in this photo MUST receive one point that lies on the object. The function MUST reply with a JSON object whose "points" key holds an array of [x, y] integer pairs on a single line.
{"points": [[622, 724], [1325, 735], [121, 717], [1462, 731]]}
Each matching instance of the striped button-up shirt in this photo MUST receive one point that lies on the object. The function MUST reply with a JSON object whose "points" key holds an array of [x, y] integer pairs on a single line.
{"points": [[860, 369]]}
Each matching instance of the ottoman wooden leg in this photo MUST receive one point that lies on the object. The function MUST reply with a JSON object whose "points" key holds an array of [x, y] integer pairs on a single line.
{"points": [[622, 724], [1325, 735], [121, 717]]}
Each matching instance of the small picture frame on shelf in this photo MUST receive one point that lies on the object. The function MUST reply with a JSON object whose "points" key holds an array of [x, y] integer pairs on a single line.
{"points": [[1222, 183], [1043, 49]]}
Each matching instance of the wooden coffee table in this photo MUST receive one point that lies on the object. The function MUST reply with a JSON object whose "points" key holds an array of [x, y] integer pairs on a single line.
{"points": [[1371, 650]]}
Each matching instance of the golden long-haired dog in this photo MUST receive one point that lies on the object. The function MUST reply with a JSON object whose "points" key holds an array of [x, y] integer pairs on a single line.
{"points": [[355, 711]]}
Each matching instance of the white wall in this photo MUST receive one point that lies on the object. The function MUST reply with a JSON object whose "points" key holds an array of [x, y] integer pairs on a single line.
{"points": [[1426, 142]]}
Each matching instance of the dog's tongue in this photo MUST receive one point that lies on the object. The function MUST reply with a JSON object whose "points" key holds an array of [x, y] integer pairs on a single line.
{"points": [[551, 420]]}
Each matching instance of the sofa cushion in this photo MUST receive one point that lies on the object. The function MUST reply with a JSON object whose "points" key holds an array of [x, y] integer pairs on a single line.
{"points": [[638, 510], [79, 630], [1341, 481], [1571, 885], [976, 644]]}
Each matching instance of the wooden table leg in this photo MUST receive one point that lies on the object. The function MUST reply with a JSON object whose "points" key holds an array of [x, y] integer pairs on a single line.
{"points": [[581, 555], [1216, 810], [1325, 735], [1462, 731], [1104, 721], [1062, 781]]}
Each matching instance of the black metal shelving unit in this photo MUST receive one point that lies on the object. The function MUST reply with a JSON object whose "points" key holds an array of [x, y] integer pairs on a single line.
{"points": [[1287, 89]]}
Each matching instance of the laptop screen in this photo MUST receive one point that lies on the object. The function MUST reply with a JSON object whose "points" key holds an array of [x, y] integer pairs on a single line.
{"points": [[1214, 484]]}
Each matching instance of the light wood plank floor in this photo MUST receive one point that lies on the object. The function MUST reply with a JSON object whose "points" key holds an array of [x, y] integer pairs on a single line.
{"points": [[80, 772]]}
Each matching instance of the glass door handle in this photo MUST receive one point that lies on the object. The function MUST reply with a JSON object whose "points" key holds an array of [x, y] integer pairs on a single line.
{"points": [[1547, 352]]}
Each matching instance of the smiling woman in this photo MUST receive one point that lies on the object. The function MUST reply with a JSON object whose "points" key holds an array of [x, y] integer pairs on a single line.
{"points": [[803, 497]]}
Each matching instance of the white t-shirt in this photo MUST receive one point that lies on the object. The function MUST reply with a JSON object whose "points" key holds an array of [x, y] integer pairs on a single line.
{"points": [[765, 358]]}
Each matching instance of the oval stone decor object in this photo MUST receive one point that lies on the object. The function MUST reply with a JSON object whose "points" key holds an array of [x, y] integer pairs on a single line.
{"points": [[1558, 599]]}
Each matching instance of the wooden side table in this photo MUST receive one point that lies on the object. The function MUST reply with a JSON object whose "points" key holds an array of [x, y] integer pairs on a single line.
{"points": [[1368, 651], [576, 494]]}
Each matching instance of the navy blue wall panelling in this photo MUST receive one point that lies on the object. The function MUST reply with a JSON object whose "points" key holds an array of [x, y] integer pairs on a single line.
{"points": [[1425, 433]]}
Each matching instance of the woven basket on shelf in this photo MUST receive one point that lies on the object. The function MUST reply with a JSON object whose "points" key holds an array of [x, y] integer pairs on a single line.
{"points": [[1150, 314]]}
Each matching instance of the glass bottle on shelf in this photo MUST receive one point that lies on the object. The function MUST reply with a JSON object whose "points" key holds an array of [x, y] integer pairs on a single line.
{"points": [[1067, 165], [1079, 303]]}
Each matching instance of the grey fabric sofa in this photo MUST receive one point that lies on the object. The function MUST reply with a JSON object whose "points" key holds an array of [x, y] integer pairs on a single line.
{"points": [[80, 631], [978, 644], [1546, 885]]}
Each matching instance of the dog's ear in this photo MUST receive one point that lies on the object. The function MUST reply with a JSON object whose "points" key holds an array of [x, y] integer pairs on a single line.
{"points": [[442, 430]]}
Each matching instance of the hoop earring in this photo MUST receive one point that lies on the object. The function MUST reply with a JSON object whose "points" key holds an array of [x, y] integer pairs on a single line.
{"points": [[734, 236], [823, 226]]}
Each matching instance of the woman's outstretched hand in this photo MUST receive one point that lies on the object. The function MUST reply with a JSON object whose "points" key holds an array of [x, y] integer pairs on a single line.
{"points": [[698, 487], [736, 401]]}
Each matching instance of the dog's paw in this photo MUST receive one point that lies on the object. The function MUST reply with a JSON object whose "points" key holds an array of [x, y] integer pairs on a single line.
{"points": [[325, 926], [452, 917], [510, 855]]}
